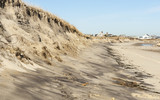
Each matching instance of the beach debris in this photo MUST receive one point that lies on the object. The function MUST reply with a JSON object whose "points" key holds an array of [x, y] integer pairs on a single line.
{"points": [[85, 84], [46, 53], [128, 83], [158, 44], [58, 58]]}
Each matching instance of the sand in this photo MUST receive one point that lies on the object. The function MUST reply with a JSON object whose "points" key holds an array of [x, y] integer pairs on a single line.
{"points": [[42, 57], [97, 73], [144, 59]]}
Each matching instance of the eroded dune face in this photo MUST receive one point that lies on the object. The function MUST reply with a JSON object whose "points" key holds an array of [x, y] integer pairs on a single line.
{"points": [[28, 33]]}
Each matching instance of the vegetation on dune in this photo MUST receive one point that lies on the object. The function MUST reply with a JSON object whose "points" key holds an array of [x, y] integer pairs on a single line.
{"points": [[41, 14]]}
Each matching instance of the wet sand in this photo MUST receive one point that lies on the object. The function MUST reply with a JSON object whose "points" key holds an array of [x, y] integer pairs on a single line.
{"points": [[98, 73]]}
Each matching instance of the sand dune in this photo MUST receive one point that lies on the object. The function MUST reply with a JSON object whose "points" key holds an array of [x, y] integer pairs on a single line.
{"points": [[43, 57]]}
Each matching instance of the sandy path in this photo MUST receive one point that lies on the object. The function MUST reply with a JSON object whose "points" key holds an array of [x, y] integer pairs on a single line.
{"points": [[96, 74]]}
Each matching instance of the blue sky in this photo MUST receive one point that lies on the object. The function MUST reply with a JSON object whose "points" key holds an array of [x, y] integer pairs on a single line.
{"points": [[131, 17]]}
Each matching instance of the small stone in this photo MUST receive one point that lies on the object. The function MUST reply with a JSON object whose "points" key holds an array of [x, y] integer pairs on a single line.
{"points": [[113, 99], [158, 44], [59, 59]]}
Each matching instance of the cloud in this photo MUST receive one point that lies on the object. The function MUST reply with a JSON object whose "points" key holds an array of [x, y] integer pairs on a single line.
{"points": [[154, 10]]}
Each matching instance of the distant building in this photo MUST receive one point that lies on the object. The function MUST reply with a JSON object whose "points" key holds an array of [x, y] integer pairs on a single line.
{"points": [[100, 34], [146, 36], [110, 35], [155, 37]]}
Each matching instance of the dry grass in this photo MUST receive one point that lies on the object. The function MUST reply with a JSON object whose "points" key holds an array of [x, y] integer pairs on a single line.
{"points": [[128, 83], [42, 15], [58, 58]]}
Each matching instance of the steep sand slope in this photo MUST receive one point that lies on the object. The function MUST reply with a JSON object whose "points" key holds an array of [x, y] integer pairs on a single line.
{"points": [[28, 34]]}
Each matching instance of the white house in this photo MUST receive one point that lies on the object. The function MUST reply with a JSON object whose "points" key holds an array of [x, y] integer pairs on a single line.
{"points": [[100, 34], [146, 36]]}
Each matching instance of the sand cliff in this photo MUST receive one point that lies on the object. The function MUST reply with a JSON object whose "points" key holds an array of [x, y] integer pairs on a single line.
{"points": [[28, 33]]}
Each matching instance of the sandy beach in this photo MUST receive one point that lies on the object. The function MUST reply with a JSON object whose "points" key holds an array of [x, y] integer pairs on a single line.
{"points": [[100, 72], [144, 59], [43, 57]]}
